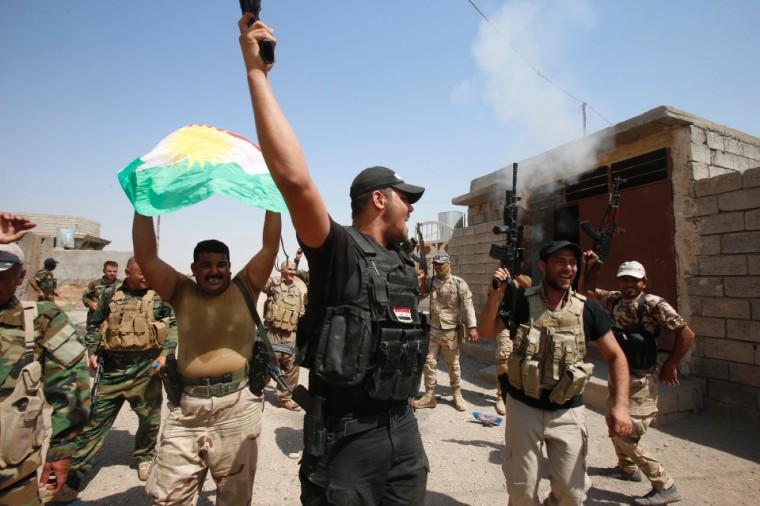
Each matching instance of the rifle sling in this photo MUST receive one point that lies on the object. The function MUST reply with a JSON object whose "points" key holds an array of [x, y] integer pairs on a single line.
{"points": [[261, 333]]}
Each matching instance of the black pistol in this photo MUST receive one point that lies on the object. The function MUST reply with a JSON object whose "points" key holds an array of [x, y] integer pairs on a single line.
{"points": [[266, 48]]}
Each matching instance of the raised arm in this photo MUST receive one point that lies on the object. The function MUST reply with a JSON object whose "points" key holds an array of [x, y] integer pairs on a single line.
{"points": [[490, 323], [259, 268], [279, 144], [161, 276], [588, 259]]}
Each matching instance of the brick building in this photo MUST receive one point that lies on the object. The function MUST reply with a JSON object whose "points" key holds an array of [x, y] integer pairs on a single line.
{"points": [[689, 211]]}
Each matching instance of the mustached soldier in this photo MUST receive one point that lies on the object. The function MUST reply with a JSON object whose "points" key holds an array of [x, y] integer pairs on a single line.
{"points": [[282, 310], [133, 331], [451, 311], [42, 366]]}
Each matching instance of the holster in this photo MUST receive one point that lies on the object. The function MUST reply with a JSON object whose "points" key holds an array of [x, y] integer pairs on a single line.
{"points": [[172, 380], [461, 333], [315, 423]]}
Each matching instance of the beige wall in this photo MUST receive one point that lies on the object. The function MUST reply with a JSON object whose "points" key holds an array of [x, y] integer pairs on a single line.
{"points": [[716, 208]]}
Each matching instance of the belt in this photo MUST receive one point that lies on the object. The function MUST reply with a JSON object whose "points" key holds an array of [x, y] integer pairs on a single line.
{"points": [[216, 387], [347, 426]]}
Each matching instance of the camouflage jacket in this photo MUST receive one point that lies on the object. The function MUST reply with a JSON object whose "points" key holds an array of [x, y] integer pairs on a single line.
{"points": [[95, 289], [451, 303], [658, 314], [47, 283], [64, 369], [161, 309]]}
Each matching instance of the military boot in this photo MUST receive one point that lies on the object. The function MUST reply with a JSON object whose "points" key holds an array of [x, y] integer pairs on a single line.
{"points": [[500, 407], [459, 403], [426, 401]]}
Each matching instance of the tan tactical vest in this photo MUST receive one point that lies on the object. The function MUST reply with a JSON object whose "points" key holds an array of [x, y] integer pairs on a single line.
{"points": [[22, 425], [284, 308], [131, 324], [549, 350]]}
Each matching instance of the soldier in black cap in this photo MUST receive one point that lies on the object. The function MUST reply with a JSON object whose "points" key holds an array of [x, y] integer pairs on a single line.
{"points": [[546, 375], [362, 337], [44, 282]]}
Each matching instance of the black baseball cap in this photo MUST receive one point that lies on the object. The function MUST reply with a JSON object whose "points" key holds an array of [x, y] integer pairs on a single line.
{"points": [[554, 246], [375, 178]]}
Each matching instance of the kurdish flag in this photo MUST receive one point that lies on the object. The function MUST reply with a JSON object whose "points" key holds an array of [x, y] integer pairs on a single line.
{"points": [[193, 163]]}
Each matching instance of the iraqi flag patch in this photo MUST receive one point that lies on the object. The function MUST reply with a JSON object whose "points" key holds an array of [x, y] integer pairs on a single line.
{"points": [[403, 314]]}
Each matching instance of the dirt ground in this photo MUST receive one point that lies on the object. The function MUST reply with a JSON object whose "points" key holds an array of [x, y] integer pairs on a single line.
{"points": [[713, 460]]}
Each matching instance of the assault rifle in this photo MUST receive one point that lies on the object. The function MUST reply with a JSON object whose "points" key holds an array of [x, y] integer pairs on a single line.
{"points": [[422, 260], [602, 237], [266, 48], [510, 254], [96, 380]]}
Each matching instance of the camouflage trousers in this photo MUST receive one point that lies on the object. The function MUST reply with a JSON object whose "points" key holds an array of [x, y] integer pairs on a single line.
{"points": [[503, 352], [19, 483], [126, 377], [290, 371], [446, 341], [217, 434], [632, 453]]}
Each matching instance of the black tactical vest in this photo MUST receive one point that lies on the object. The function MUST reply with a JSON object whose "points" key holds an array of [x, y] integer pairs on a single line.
{"points": [[377, 339]]}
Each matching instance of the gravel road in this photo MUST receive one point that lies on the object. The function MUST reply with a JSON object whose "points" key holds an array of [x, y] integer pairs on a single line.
{"points": [[713, 460]]}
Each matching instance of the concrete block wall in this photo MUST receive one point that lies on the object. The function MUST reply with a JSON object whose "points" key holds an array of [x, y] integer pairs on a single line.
{"points": [[48, 224], [723, 290], [469, 247]]}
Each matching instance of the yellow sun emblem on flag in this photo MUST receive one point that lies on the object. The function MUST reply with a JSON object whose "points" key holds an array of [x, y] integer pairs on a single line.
{"points": [[199, 144]]}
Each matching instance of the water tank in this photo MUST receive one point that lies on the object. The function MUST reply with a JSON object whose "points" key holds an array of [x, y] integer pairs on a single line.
{"points": [[455, 219], [64, 238]]}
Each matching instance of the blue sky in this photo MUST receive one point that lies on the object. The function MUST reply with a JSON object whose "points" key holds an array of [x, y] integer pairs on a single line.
{"points": [[425, 87]]}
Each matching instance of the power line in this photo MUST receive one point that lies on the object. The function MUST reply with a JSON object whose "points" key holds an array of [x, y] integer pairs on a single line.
{"points": [[584, 104]]}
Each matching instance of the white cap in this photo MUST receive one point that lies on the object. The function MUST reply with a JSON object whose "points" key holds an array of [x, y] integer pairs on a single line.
{"points": [[10, 254], [633, 269]]}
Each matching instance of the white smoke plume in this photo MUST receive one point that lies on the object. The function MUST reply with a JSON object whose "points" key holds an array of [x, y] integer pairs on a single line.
{"points": [[523, 39]]}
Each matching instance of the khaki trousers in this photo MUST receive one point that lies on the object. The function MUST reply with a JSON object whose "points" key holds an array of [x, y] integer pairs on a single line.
{"points": [[218, 434], [565, 437]]}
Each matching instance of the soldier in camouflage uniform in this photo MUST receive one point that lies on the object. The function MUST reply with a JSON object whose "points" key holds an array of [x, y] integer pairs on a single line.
{"points": [[451, 312], [44, 283], [633, 455], [282, 309], [133, 331], [214, 418], [91, 295], [56, 358]]}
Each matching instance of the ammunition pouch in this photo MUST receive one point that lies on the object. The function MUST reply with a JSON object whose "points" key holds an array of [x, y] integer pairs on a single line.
{"points": [[345, 346], [640, 348], [572, 382], [399, 362], [131, 325], [22, 427]]}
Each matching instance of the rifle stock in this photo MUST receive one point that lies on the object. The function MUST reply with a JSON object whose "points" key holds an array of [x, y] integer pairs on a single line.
{"points": [[602, 236]]}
